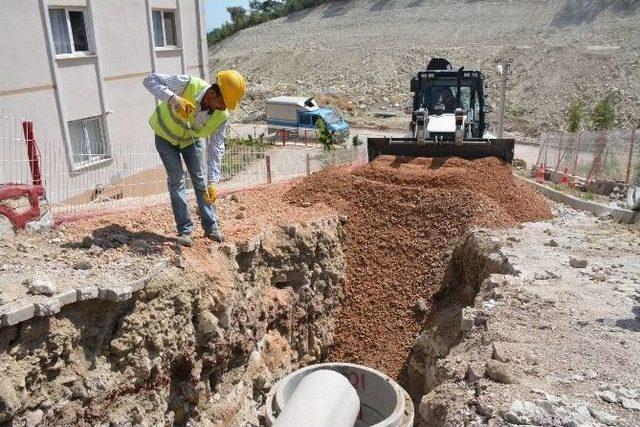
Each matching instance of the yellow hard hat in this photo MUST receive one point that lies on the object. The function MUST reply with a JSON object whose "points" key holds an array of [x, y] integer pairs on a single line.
{"points": [[232, 85]]}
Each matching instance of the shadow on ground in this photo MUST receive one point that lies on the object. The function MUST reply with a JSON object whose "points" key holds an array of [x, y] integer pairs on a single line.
{"points": [[115, 235]]}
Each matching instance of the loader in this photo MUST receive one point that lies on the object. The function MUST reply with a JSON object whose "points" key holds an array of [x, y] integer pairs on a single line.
{"points": [[448, 118]]}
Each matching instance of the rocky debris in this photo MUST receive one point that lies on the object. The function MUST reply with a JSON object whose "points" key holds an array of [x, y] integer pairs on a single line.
{"points": [[119, 238], [551, 410], [95, 250], [631, 404], [9, 401], [82, 264], [6, 228], [87, 242], [40, 286], [552, 243], [499, 372], [603, 417], [577, 262], [545, 276], [421, 306], [141, 246]]}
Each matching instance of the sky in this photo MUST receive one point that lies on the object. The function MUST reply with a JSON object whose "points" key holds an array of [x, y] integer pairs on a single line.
{"points": [[216, 11]]}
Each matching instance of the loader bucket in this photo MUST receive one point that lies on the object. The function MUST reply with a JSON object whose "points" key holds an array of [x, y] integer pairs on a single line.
{"points": [[470, 149]]}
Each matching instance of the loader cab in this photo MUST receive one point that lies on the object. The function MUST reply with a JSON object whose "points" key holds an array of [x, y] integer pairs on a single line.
{"points": [[440, 92]]}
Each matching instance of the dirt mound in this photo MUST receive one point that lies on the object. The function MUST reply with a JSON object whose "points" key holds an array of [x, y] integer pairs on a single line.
{"points": [[403, 216]]}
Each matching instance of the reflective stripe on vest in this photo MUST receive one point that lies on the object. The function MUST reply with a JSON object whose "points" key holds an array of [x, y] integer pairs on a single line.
{"points": [[165, 122]]}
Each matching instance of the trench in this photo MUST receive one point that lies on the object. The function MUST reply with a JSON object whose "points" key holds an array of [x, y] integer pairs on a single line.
{"points": [[207, 346]]}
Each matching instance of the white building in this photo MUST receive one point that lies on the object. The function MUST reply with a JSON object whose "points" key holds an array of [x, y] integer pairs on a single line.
{"points": [[76, 67]]}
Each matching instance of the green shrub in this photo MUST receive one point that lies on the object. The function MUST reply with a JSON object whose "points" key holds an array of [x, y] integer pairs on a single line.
{"points": [[324, 135], [603, 116], [575, 115]]}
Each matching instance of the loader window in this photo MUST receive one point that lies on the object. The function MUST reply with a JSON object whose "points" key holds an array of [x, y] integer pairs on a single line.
{"points": [[444, 92]]}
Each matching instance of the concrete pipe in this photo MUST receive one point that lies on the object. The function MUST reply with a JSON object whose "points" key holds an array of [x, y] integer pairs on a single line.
{"points": [[323, 398], [383, 403]]}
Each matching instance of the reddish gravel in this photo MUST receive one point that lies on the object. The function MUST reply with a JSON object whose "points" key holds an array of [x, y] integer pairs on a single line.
{"points": [[242, 216], [403, 215]]}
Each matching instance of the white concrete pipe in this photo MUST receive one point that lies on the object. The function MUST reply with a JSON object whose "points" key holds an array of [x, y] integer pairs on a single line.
{"points": [[383, 403], [323, 398]]}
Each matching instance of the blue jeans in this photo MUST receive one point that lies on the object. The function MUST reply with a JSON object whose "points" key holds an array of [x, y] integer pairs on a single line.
{"points": [[192, 155]]}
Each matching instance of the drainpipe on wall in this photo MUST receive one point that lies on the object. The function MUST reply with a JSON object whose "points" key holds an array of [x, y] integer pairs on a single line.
{"points": [[53, 66]]}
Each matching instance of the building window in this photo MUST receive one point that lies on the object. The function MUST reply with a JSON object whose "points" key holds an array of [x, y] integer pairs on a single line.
{"points": [[164, 28], [88, 142], [69, 29]]}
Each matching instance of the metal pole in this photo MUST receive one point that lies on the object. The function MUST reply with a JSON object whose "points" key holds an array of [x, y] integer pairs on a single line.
{"points": [[308, 164], [503, 92], [268, 162], [575, 160], [629, 160], [559, 152]]}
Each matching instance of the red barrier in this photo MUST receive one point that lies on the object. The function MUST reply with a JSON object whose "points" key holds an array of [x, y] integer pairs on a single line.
{"points": [[15, 191], [32, 152]]}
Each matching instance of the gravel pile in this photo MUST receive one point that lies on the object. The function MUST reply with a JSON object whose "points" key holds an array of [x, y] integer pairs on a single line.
{"points": [[403, 215]]}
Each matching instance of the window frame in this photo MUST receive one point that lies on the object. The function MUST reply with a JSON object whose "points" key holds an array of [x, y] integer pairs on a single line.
{"points": [[87, 28], [92, 158], [176, 29]]}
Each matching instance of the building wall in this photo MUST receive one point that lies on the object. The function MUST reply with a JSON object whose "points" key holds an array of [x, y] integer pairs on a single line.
{"points": [[54, 90]]}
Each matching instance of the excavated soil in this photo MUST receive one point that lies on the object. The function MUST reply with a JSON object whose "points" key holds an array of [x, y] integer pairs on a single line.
{"points": [[241, 216], [404, 216]]}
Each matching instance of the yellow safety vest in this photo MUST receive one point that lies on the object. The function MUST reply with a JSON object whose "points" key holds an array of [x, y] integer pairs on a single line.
{"points": [[166, 123]]}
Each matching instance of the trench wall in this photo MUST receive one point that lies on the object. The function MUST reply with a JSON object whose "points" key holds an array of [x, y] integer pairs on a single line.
{"points": [[189, 345]]}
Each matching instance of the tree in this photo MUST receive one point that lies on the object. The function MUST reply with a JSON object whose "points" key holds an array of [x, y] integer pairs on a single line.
{"points": [[575, 116], [238, 14], [324, 135], [264, 5], [603, 116]]}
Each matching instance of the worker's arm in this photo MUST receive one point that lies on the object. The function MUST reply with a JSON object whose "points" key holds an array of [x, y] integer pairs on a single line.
{"points": [[165, 86], [215, 151]]}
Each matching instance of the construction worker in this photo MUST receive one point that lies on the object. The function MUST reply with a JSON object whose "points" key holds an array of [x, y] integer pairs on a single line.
{"points": [[191, 109]]}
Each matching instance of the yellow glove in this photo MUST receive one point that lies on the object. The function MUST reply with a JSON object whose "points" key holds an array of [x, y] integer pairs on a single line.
{"points": [[182, 106], [211, 194]]}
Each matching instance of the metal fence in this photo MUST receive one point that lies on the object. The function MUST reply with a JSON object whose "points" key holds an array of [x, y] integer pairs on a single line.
{"points": [[593, 155], [127, 176]]}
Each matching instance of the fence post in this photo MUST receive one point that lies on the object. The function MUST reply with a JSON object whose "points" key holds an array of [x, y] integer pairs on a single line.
{"points": [[575, 160], [268, 162], [308, 161], [32, 152], [559, 152], [629, 160], [544, 144], [595, 167]]}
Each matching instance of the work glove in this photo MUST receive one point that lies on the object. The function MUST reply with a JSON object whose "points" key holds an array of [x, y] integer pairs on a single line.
{"points": [[182, 106], [211, 194]]}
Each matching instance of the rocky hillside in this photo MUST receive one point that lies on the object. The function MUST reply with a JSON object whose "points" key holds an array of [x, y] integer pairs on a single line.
{"points": [[359, 55]]}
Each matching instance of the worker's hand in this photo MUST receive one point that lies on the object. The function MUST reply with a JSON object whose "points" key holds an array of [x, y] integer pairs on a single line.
{"points": [[182, 106], [211, 194]]}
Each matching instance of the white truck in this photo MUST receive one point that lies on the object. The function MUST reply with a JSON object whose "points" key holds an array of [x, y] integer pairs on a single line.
{"points": [[299, 115]]}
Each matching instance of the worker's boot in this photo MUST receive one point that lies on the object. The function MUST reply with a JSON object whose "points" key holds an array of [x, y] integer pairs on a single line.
{"points": [[185, 240], [215, 235]]}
